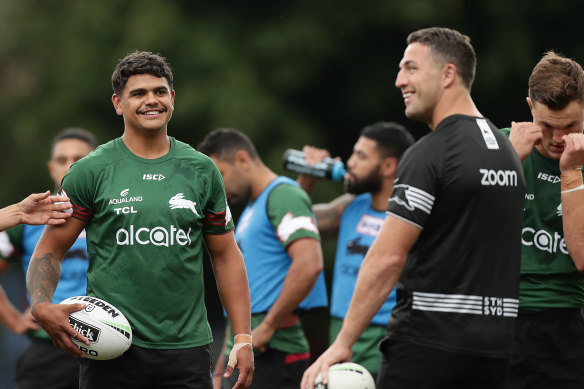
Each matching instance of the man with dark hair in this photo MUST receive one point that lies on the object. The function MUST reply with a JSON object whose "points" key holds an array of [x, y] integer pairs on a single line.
{"points": [[150, 205], [548, 351], [354, 219], [42, 364], [451, 239], [281, 246]]}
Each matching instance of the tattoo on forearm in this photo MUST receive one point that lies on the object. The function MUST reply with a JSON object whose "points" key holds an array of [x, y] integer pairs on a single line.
{"points": [[42, 278]]}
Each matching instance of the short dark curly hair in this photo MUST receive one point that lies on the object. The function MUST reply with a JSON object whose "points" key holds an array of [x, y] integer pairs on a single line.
{"points": [[140, 62]]}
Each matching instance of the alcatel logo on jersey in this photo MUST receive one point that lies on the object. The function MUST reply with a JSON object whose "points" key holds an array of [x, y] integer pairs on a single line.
{"points": [[153, 177], [158, 236], [498, 177], [543, 240], [179, 201], [548, 177]]}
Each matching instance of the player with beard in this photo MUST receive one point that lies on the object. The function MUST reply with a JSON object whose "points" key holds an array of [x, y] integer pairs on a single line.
{"points": [[355, 218]]}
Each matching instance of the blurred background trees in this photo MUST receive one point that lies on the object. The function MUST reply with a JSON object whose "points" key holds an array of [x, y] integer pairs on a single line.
{"points": [[285, 73]]}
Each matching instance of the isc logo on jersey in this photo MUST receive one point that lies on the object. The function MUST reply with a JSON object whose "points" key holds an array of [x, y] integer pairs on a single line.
{"points": [[493, 177]]}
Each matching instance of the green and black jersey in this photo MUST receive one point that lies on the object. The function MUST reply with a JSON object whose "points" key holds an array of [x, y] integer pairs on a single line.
{"points": [[146, 219], [549, 278]]}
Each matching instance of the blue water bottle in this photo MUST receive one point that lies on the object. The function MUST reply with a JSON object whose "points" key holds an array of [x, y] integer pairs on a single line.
{"points": [[329, 168]]}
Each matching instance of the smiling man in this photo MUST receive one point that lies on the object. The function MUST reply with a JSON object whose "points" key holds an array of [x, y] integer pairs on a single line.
{"points": [[450, 241], [549, 338], [146, 234]]}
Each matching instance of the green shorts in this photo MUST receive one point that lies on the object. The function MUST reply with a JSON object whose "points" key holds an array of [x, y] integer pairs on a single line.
{"points": [[366, 350]]}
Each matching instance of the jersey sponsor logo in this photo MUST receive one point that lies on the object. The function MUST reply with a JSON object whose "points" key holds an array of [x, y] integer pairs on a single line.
{"points": [[529, 196], [157, 236], [544, 240], [90, 332], [559, 210], [125, 210], [153, 177], [93, 303], [369, 225], [548, 177], [467, 304], [125, 199], [228, 216], [488, 135], [179, 202], [412, 198], [493, 177], [290, 224]]}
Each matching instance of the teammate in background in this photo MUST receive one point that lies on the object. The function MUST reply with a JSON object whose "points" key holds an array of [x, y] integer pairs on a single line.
{"points": [[548, 351], [451, 236], [281, 245], [149, 204], [36, 209], [355, 219], [42, 364]]}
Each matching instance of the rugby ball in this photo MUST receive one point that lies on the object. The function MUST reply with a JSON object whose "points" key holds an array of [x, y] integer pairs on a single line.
{"points": [[107, 329], [347, 375]]}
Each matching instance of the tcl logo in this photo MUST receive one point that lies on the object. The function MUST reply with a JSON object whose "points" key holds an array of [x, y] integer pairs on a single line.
{"points": [[153, 177]]}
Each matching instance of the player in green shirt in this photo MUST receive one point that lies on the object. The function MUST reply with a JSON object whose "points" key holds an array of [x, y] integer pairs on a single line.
{"points": [[548, 350], [148, 203]]}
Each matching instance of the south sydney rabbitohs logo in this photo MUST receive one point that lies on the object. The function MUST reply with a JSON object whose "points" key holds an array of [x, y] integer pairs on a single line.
{"points": [[178, 201], [125, 199]]}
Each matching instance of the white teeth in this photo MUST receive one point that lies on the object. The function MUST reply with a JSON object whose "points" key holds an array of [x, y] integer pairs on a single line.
{"points": [[151, 113], [407, 95]]}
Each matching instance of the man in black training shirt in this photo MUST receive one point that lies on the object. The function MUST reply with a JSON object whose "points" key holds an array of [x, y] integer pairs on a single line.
{"points": [[452, 236]]}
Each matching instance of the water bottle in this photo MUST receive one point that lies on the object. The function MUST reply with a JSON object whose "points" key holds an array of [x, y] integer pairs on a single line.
{"points": [[293, 160]]}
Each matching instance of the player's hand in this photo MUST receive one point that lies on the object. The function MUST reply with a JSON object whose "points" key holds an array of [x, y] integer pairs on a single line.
{"points": [[26, 322], [573, 156], [245, 365], [41, 208], [261, 336], [523, 136], [54, 318], [336, 353]]}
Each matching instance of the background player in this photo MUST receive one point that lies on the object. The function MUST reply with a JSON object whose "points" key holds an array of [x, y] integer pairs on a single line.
{"points": [[281, 246], [355, 219], [42, 364], [548, 351]]}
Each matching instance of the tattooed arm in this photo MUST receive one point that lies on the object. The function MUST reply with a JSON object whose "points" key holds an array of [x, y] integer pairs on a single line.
{"points": [[328, 215], [42, 278]]}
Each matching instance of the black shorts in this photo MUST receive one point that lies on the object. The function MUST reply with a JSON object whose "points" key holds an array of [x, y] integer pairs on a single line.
{"points": [[44, 365], [150, 368], [548, 350], [407, 365], [273, 369]]}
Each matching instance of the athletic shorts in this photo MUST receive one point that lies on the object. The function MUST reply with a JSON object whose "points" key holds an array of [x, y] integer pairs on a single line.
{"points": [[548, 350], [273, 369], [44, 365], [144, 368], [366, 350], [407, 365]]}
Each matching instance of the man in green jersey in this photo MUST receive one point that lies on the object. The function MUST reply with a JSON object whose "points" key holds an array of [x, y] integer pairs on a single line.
{"points": [[548, 350], [149, 204], [281, 246]]}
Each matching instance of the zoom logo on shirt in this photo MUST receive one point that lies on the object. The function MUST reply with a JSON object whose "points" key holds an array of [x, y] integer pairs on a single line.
{"points": [[493, 177], [157, 236]]}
